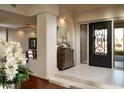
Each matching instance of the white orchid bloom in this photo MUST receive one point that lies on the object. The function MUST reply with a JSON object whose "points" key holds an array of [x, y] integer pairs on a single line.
{"points": [[13, 54]]}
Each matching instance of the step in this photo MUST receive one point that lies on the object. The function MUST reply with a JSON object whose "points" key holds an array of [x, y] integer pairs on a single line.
{"points": [[87, 83], [69, 84]]}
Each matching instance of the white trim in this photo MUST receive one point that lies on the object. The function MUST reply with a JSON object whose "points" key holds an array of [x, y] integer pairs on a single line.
{"points": [[112, 43], [77, 52], [88, 43]]}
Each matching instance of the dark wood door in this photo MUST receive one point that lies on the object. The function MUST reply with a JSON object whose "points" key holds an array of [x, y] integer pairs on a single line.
{"points": [[100, 44]]}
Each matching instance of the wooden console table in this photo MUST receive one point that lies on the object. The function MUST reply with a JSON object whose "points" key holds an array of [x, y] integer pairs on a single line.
{"points": [[64, 58]]}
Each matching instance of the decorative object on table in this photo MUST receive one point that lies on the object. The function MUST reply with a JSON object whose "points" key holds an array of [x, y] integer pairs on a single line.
{"points": [[63, 46], [29, 55], [12, 65], [69, 44]]}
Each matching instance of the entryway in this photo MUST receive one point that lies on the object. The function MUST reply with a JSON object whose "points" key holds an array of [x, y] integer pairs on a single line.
{"points": [[98, 42], [90, 77], [106, 44], [95, 40]]}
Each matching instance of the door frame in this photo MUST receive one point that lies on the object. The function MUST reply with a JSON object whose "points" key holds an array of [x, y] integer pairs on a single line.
{"points": [[112, 41], [86, 44]]}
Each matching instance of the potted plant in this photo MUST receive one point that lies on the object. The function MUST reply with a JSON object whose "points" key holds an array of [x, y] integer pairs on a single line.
{"points": [[12, 65]]}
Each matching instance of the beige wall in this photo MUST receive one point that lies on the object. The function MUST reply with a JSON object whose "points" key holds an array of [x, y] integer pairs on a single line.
{"points": [[21, 36]]}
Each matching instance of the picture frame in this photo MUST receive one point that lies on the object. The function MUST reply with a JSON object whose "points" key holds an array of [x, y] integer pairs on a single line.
{"points": [[33, 46], [32, 43]]}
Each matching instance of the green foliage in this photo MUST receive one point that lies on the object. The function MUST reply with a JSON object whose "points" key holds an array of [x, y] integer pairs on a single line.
{"points": [[118, 45], [23, 74], [119, 52], [3, 80]]}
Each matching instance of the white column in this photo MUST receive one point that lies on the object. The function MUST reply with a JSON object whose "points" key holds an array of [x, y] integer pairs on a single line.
{"points": [[77, 42], [46, 44]]}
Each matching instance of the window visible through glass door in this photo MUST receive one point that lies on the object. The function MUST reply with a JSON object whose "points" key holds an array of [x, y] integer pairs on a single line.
{"points": [[119, 47]]}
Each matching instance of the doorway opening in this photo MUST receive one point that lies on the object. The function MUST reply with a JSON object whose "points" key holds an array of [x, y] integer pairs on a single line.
{"points": [[83, 43], [119, 44]]}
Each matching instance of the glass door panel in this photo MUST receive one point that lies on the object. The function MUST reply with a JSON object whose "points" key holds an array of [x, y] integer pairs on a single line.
{"points": [[101, 41], [119, 47]]}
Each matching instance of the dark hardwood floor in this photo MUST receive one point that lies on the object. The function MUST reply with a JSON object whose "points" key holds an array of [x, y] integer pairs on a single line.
{"points": [[38, 83]]}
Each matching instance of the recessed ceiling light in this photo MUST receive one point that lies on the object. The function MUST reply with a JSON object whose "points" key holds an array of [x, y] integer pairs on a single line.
{"points": [[62, 20], [20, 32], [64, 17]]}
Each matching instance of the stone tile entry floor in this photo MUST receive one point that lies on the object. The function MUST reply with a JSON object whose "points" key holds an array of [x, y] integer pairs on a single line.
{"points": [[98, 74]]}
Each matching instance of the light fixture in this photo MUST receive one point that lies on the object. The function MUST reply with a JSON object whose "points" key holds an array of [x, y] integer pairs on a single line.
{"points": [[28, 26], [62, 20], [64, 17], [33, 33], [20, 32]]}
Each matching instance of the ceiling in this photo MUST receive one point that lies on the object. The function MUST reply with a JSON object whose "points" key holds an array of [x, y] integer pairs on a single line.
{"points": [[12, 20], [79, 8]]}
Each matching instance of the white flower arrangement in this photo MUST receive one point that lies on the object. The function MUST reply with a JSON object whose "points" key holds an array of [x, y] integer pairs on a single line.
{"points": [[12, 61]]}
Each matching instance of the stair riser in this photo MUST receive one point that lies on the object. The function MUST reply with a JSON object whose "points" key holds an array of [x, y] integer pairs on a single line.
{"points": [[87, 82]]}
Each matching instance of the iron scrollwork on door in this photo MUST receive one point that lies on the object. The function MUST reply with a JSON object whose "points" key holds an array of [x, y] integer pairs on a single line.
{"points": [[100, 41]]}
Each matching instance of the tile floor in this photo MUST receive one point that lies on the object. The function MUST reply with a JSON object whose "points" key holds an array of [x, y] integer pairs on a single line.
{"points": [[119, 64], [98, 74]]}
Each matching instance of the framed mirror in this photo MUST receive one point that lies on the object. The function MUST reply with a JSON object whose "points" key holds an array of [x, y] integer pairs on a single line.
{"points": [[33, 46], [32, 43]]}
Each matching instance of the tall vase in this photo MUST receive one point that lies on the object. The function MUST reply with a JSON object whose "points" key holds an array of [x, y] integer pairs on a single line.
{"points": [[8, 86], [11, 86]]}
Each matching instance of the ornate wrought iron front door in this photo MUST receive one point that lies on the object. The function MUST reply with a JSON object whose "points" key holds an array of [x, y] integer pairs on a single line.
{"points": [[100, 44]]}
